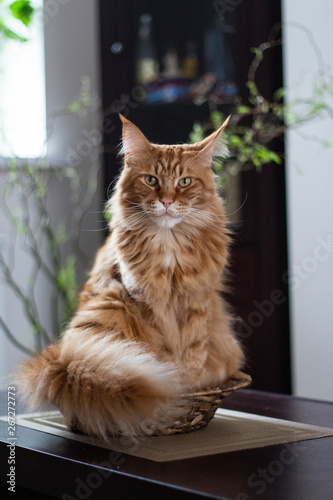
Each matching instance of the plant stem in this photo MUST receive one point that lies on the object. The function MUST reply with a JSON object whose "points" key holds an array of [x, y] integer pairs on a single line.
{"points": [[13, 340]]}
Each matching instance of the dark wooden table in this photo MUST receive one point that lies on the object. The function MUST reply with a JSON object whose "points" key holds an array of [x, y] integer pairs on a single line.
{"points": [[49, 466]]}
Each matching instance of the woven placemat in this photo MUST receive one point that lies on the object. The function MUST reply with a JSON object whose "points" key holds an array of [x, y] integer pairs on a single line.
{"points": [[228, 431]]}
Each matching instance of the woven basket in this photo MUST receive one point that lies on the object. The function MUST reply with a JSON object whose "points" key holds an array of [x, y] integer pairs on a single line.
{"points": [[204, 404]]}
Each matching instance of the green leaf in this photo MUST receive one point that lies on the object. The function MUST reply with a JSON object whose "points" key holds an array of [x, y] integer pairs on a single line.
{"points": [[23, 11], [8, 33], [275, 158], [279, 94], [291, 117], [278, 110], [244, 110], [107, 213], [248, 136], [35, 329], [261, 155], [12, 166], [74, 107], [196, 134], [66, 281], [258, 53], [252, 89], [61, 233], [317, 107], [235, 140], [264, 108], [217, 119], [19, 226], [218, 167]]}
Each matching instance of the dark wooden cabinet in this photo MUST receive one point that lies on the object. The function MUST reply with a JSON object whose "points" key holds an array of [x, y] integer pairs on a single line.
{"points": [[259, 259]]}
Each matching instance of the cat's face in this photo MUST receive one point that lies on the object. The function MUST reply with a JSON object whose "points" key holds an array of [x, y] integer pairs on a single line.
{"points": [[165, 185]]}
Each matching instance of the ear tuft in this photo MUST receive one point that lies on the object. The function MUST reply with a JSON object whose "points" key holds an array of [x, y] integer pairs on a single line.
{"points": [[134, 143], [220, 148]]}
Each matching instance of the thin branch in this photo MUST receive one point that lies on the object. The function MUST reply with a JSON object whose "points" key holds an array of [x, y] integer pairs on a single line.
{"points": [[27, 302], [13, 340], [260, 56]]}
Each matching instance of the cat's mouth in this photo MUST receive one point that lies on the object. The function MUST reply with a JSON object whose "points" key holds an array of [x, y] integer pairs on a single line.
{"points": [[167, 214], [167, 219]]}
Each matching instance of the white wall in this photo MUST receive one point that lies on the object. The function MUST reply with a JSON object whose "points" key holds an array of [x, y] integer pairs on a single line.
{"points": [[71, 52], [310, 202]]}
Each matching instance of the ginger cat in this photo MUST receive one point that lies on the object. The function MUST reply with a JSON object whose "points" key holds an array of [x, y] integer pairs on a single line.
{"points": [[151, 323]]}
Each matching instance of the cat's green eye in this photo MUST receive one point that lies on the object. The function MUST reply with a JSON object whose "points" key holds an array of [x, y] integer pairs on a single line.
{"points": [[184, 182], [151, 180]]}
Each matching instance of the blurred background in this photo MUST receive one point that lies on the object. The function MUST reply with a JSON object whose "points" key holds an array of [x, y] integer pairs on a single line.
{"points": [[176, 69]]}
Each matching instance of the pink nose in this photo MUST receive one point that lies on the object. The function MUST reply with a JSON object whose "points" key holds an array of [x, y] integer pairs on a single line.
{"points": [[166, 203]]}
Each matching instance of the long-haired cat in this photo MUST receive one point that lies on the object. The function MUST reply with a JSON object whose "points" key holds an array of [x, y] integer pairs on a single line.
{"points": [[151, 323]]}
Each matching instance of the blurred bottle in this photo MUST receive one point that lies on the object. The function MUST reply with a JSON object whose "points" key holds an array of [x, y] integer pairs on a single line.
{"points": [[146, 62], [217, 53], [170, 63], [190, 61]]}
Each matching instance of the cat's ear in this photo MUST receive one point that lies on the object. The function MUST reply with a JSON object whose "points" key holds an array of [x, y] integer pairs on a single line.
{"points": [[212, 147], [134, 142]]}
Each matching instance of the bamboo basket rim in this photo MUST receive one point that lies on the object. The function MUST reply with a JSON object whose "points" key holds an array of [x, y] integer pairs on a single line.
{"points": [[239, 380]]}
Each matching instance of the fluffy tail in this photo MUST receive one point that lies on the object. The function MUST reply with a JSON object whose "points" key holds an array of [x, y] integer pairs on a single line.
{"points": [[103, 387]]}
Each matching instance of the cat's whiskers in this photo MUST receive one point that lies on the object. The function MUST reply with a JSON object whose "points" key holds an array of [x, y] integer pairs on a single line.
{"points": [[238, 209], [136, 213], [138, 205], [203, 217], [134, 219], [206, 212], [136, 216]]}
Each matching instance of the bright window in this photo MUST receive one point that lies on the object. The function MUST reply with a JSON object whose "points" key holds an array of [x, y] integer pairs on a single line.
{"points": [[22, 92]]}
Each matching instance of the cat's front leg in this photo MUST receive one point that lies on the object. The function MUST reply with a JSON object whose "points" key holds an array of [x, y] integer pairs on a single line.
{"points": [[194, 344], [225, 355], [211, 353]]}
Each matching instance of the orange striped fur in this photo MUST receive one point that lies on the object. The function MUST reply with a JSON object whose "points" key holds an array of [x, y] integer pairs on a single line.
{"points": [[151, 323]]}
